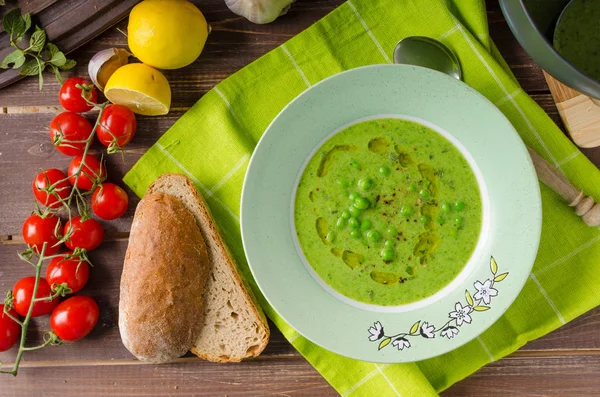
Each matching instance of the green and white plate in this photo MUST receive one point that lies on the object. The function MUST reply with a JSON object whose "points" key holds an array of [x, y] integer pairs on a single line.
{"points": [[490, 281]]}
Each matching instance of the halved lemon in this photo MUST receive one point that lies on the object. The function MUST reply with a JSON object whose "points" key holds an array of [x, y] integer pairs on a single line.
{"points": [[141, 88]]}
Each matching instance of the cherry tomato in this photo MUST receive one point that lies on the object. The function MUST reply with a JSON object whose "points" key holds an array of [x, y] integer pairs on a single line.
{"points": [[91, 172], [38, 230], [109, 201], [49, 185], [74, 318], [70, 95], [73, 271], [86, 234], [10, 331], [117, 126], [23, 291], [69, 132]]}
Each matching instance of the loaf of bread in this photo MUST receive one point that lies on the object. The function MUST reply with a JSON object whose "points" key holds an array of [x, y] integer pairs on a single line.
{"points": [[164, 277], [234, 326]]}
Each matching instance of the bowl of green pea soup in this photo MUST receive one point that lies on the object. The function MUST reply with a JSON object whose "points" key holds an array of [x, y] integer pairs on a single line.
{"points": [[390, 213]]}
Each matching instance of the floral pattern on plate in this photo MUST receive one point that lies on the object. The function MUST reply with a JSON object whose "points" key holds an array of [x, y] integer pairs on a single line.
{"points": [[479, 301]]}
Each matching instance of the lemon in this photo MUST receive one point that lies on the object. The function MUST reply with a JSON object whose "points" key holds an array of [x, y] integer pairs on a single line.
{"points": [[166, 34], [141, 88]]}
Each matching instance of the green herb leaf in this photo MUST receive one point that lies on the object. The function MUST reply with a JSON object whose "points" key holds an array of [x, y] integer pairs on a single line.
{"points": [[58, 59], [42, 54], [31, 68], [27, 19], [70, 64], [56, 72], [17, 57], [41, 75], [51, 49], [13, 23], [2, 3], [37, 40]]}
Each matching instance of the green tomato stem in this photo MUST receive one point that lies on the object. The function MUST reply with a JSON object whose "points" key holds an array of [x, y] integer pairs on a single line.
{"points": [[25, 324], [46, 343], [42, 255], [16, 320]]}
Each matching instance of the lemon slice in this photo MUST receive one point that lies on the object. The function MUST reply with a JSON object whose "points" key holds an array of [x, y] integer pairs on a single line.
{"points": [[141, 88]]}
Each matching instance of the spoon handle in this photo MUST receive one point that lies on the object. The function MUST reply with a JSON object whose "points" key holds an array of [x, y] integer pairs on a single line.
{"points": [[585, 206]]}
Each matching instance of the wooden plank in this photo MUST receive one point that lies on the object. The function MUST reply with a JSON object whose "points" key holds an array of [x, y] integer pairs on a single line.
{"points": [[533, 375], [551, 365], [260, 377], [32, 7], [104, 343], [235, 42], [579, 334], [25, 149], [227, 50], [68, 24], [519, 375]]}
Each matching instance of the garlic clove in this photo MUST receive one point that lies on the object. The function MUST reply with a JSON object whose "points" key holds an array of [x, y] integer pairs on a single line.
{"points": [[104, 63], [259, 11]]}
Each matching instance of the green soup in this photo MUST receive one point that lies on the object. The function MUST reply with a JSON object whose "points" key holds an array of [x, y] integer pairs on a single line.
{"points": [[387, 212], [577, 36]]}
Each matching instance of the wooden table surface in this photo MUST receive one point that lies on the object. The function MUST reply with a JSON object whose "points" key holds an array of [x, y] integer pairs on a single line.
{"points": [[564, 363]]}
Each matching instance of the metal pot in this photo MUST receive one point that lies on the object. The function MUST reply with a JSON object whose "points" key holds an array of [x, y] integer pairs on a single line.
{"points": [[533, 23]]}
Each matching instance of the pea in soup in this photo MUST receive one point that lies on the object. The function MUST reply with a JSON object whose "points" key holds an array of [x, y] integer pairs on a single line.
{"points": [[387, 212]]}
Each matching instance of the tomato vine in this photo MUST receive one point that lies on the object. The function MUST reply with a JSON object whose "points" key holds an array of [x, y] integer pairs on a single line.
{"points": [[37, 257]]}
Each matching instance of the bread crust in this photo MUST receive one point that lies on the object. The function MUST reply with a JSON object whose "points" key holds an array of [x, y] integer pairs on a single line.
{"points": [[227, 257], [164, 276]]}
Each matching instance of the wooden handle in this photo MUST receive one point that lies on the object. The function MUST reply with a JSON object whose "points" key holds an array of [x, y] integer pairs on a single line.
{"points": [[585, 206], [580, 113]]}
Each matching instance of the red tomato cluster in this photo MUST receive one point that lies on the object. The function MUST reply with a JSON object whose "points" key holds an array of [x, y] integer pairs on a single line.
{"points": [[69, 132], [76, 316]]}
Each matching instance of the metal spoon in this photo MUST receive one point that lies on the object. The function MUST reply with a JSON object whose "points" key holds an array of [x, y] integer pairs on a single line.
{"points": [[430, 53]]}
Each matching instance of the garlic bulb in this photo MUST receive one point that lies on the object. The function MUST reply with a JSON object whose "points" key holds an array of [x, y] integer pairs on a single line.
{"points": [[259, 11], [104, 63]]}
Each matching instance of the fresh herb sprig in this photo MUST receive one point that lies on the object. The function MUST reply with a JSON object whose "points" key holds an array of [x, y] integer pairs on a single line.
{"points": [[38, 55]]}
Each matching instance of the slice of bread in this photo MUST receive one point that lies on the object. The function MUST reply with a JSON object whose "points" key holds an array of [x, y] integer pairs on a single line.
{"points": [[235, 326], [165, 272]]}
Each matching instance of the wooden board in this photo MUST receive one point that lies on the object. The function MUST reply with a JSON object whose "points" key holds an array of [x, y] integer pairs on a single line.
{"points": [[579, 113], [68, 24], [562, 363]]}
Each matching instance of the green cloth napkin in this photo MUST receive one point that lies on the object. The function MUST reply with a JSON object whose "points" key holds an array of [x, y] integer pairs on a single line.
{"points": [[212, 144]]}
